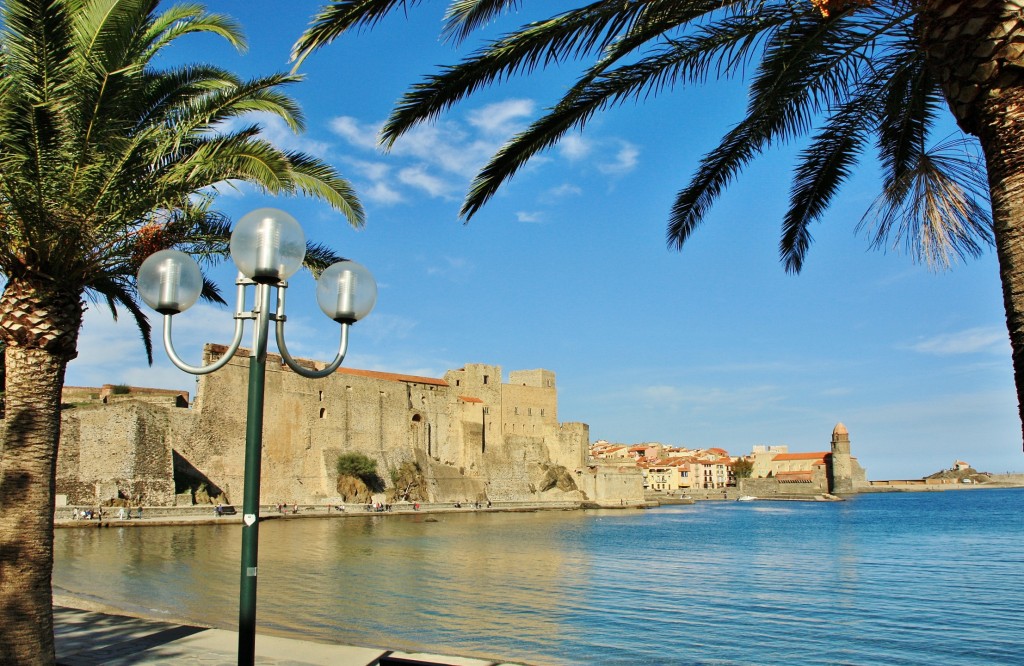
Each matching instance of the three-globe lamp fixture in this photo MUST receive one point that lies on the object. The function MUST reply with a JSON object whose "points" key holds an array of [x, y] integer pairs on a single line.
{"points": [[268, 246]]}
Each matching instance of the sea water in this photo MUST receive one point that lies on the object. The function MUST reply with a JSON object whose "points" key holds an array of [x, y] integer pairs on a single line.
{"points": [[897, 578]]}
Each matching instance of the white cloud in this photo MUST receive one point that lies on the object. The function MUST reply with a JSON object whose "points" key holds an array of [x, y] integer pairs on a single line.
{"points": [[574, 147], [440, 159], [111, 352], [446, 146], [969, 341], [451, 266], [527, 216], [564, 190], [277, 132], [418, 178], [625, 160], [360, 135], [501, 117]]}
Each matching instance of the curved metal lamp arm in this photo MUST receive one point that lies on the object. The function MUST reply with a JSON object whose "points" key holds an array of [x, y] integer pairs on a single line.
{"points": [[280, 318], [240, 318]]}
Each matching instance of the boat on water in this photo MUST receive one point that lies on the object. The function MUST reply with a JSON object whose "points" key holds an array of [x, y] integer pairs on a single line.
{"points": [[746, 498]]}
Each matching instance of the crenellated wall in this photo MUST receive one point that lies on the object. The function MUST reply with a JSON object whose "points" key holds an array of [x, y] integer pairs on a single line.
{"points": [[471, 436]]}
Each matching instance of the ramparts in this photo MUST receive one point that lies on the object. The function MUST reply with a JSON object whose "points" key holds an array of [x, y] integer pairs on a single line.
{"points": [[469, 437]]}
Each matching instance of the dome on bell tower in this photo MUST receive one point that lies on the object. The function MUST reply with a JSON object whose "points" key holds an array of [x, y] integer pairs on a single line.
{"points": [[840, 429]]}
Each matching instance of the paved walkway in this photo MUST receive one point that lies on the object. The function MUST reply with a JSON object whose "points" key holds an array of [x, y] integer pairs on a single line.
{"points": [[87, 638]]}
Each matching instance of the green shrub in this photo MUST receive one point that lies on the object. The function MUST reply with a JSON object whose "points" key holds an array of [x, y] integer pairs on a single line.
{"points": [[121, 389], [362, 467]]}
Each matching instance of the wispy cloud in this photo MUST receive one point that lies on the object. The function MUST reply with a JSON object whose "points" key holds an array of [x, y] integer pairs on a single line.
{"points": [[969, 341], [360, 135], [502, 118], [563, 190], [574, 147], [278, 133], [624, 160], [529, 216], [440, 159]]}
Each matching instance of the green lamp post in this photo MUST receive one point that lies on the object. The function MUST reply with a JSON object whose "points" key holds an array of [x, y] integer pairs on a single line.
{"points": [[267, 246]]}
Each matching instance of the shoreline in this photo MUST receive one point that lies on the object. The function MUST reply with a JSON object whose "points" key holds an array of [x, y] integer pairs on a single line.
{"points": [[205, 514]]}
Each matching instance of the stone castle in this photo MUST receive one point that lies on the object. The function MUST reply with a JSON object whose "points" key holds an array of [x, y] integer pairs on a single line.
{"points": [[468, 437]]}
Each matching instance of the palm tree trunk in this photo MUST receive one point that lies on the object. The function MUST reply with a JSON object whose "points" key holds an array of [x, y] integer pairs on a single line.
{"points": [[1002, 138], [40, 326], [976, 52]]}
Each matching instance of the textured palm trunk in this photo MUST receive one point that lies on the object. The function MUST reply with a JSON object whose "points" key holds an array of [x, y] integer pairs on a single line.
{"points": [[40, 326], [976, 50]]}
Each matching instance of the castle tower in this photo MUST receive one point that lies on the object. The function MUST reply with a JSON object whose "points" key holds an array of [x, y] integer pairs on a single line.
{"points": [[841, 469]]}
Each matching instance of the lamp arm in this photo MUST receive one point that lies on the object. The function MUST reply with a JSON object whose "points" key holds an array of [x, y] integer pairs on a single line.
{"points": [[240, 318], [280, 318]]}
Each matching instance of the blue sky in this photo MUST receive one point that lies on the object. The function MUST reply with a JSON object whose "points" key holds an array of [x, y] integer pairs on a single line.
{"points": [[567, 269]]}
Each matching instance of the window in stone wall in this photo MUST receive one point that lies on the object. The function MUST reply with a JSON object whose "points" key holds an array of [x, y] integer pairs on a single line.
{"points": [[321, 396], [322, 411], [485, 379]]}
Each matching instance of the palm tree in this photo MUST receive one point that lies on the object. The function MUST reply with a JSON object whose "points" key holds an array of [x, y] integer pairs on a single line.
{"points": [[104, 159], [844, 75]]}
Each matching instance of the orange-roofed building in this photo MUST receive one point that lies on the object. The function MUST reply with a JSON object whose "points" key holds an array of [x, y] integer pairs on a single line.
{"points": [[832, 471]]}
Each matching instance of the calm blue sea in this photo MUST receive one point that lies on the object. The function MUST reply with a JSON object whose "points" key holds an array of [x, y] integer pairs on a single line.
{"points": [[902, 578]]}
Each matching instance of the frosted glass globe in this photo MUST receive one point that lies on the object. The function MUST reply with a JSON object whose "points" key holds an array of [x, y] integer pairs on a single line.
{"points": [[170, 281], [346, 292], [268, 245]]}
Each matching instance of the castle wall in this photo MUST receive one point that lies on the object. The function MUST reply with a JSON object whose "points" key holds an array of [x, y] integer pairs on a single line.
{"points": [[470, 436], [121, 450], [612, 484]]}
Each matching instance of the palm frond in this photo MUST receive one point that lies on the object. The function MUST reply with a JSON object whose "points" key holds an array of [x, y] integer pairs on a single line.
{"points": [[463, 17], [806, 68], [319, 257], [938, 211], [317, 178], [593, 28], [678, 61], [340, 16], [186, 19], [823, 167]]}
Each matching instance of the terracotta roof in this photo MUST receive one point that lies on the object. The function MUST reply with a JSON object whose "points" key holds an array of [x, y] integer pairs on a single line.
{"points": [[818, 455], [393, 377], [466, 398], [793, 477]]}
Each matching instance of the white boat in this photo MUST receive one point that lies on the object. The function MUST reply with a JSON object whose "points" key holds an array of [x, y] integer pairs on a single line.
{"points": [[746, 498]]}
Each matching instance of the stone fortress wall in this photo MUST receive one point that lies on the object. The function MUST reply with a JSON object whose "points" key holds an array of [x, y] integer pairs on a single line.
{"points": [[472, 437]]}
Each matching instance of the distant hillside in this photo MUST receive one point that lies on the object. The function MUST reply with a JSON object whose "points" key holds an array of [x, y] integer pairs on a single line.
{"points": [[960, 474]]}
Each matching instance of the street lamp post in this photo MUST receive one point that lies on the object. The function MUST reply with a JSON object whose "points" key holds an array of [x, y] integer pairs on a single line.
{"points": [[267, 246]]}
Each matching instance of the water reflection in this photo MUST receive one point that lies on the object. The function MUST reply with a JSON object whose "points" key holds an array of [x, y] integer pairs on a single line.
{"points": [[911, 579], [392, 581]]}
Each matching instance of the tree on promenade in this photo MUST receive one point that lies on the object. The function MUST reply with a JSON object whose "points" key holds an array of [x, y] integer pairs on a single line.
{"points": [[845, 75], [104, 159]]}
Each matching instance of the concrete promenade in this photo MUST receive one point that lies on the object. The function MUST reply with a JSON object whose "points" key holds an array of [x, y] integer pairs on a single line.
{"points": [[90, 638], [204, 514]]}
